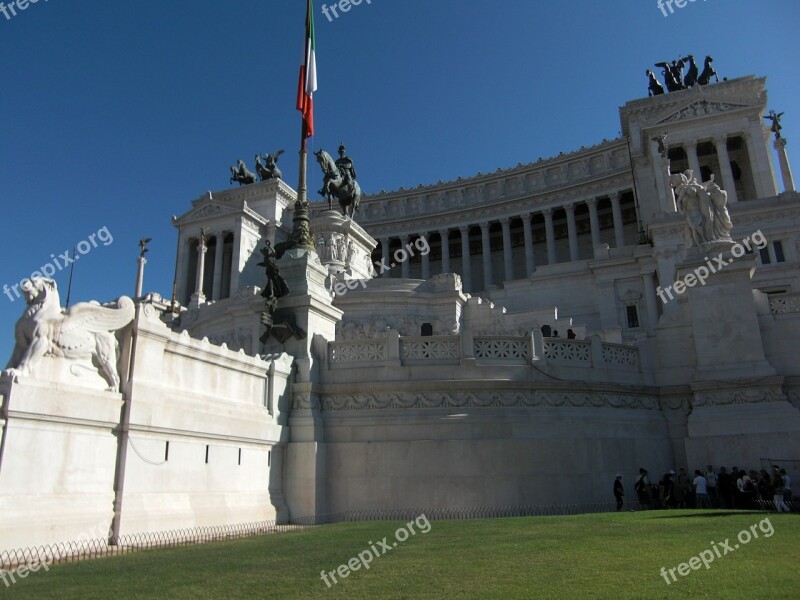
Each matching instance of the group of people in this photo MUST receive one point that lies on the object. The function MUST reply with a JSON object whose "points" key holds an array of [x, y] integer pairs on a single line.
{"points": [[736, 488]]}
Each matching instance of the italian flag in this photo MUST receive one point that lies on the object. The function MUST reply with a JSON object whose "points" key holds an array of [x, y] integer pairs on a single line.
{"points": [[308, 76]]}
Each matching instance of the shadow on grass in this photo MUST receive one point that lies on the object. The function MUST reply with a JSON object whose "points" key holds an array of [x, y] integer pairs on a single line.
{"points": [[716, 513]]}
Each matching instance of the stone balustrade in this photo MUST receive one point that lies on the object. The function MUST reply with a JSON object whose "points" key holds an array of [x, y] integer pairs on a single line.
{"points": [[393, 350]]}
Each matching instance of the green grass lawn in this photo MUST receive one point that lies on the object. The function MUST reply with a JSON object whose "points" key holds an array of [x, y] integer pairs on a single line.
{"points": [[617, 555]]}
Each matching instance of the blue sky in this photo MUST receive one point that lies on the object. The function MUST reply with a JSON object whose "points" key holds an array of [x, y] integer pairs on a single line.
{"points": [[118, 114]]}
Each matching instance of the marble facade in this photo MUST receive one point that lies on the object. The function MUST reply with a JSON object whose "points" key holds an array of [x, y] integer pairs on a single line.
{"points": [[440, 382]]}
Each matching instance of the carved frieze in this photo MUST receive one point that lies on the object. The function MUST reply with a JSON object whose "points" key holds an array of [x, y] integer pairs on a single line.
{"points": [[484, 399]]}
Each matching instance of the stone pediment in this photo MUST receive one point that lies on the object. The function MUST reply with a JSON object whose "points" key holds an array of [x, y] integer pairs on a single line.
{"points": [[700, 108], [211, 210], [208, 211]]}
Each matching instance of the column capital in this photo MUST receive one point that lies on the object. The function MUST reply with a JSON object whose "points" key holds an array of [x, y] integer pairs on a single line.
{"points": [[444, 232], [547, 212], [405, 237], [720, 140], [484, 225], [527, 216], [423, 234], [615, 196], [570, 207], [464, 229], [591, 202], [504, 221], [689, 144]]}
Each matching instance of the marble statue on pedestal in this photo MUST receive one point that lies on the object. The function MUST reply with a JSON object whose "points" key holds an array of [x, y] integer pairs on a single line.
{"points": [[85, 331], [705, 208]]}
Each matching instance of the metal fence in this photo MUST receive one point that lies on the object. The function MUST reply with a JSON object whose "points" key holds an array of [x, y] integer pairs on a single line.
{"points": [[96, 548]]}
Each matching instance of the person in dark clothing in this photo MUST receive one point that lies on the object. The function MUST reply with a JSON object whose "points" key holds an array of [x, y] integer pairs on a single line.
{"points": [[619, 491], [642, 489], [725, 487], [665, 486]]}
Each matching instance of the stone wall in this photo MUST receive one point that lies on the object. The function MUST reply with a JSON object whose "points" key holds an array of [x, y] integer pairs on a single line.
{"points": [[187, 443]]}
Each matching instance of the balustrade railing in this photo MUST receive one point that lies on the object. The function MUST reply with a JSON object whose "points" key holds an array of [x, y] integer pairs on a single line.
{"points": [[589, 353]]}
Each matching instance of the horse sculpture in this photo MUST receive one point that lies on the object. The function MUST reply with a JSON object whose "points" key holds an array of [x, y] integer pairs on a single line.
{"points": [[672, 74], [336, 185], [270, 169], [708, 72], [241, 174], [654, 88], [691, 75], [84, 331]]}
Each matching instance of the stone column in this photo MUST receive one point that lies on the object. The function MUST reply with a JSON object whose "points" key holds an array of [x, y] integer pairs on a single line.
{"points": [[385, 255], [466, 276], [573, 234], [651, 303], [487, 255], [691, 154], [661, 170], [426, 260], [760, 163], [530, 261], [444, 234], [142, 261], [551, 236], [198, 297], [271, 229], [721, 144], [508, 261], [405, 267], [619, 233], [237, 255], [594, 222], [216, 292], [182, 276], [783, 161]]}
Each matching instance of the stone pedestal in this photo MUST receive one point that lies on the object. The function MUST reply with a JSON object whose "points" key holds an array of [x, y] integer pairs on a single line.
{"points": [[739, 412], [724, 320], [309, 303], [741, 422], [343, 246], [57, 451]]}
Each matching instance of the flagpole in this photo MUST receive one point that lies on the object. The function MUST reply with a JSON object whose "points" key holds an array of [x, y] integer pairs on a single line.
{"points": [[301, 233]]}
